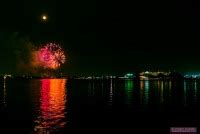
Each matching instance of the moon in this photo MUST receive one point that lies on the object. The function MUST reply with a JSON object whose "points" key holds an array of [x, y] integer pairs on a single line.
{"points": [[44, 17]]}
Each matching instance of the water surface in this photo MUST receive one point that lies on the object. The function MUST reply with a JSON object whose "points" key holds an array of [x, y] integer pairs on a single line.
{"points": [[63, 105]]}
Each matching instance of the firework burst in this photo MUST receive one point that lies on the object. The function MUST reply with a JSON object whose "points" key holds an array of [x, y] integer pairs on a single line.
{"points": [[51, 56]]}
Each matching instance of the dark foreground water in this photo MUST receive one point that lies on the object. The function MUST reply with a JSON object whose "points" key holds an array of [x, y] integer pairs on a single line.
{"points": [[90, 106]]}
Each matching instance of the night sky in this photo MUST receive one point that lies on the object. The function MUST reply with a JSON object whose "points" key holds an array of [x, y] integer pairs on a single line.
{"points": [[104, 37]]}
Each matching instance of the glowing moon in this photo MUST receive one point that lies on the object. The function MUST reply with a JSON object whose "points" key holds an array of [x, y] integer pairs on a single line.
{"points": [[44, 17]]}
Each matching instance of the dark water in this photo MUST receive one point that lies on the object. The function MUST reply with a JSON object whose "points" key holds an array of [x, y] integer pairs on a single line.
{"points": [[66, 105]]}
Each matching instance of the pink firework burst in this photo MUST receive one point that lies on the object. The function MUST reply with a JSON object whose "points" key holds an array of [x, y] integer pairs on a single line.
{"points": [[51, 56]]}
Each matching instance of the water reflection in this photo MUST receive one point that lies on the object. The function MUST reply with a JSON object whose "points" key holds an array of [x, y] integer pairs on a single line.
{"points": [[195, 91], [129, 91], [190, 92], [4, 92], [185, 92], [52, 105], [144, 91], [47, 99], [91, 88], [170, 89], [161, 88], [111, 92]]}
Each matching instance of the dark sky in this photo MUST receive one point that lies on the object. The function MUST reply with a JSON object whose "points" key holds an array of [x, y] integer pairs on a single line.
{"points": [[103, 36]]}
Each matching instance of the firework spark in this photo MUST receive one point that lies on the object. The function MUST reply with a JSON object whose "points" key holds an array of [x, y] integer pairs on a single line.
{"points": [[50, 56]]}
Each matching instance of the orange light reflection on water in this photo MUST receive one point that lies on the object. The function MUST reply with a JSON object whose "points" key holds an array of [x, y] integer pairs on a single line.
{"points": [[52, 104]]}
